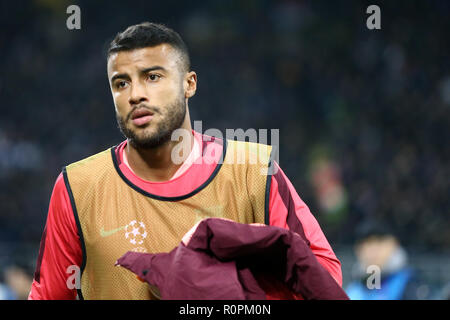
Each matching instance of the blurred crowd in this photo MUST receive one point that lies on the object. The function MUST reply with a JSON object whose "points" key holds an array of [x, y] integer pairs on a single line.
{"points": [[363, 114]]}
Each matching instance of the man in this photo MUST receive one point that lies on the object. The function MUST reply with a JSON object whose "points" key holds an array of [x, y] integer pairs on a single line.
{"points": [[147, 192], [378, 246]]}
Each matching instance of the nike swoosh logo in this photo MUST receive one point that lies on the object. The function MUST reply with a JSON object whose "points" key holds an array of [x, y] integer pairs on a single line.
{"points": [[104, 233]]}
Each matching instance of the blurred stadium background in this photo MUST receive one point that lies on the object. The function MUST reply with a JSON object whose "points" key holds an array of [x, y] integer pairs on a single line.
{"points": [[363, 115]]}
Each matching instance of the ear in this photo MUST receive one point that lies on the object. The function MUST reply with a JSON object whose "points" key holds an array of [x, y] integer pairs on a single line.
{"points": [[190, 84]]}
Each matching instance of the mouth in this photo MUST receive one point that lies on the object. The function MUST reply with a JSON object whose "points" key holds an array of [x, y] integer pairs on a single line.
{"points": [[141, 117]]}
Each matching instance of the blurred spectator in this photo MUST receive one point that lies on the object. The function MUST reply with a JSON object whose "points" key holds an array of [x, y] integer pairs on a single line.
{"points": [[15, 283], [6, 293], [19, 280], [328, 187], [379, 247]]}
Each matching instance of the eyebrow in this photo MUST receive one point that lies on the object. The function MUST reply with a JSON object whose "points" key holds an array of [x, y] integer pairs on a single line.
{"points": [[142, 71]]}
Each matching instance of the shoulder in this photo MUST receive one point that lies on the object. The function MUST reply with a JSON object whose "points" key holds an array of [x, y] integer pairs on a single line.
{"points": [[98, 157], [91, 168], [248, 152]]}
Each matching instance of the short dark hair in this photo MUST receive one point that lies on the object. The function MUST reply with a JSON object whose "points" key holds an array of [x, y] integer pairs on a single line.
{"points": [[373, 228], [149, 34]]}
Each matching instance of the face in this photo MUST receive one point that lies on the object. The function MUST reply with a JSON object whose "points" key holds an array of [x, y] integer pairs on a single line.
{"points": [[150, 91], [376, 250]]}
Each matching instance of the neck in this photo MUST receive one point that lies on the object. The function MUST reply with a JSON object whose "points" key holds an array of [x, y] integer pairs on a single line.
{"points": [[157, 164]]}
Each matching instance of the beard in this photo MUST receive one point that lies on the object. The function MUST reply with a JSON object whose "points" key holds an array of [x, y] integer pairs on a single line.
{"points": [[174, 115]]}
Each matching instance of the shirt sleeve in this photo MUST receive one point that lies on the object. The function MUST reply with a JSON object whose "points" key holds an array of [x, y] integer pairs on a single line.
{"points": [[287, 210], [60, 252]]}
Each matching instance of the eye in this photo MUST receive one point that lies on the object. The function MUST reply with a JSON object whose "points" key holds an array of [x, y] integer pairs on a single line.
{"points": [[121, 84], [154, 77]]}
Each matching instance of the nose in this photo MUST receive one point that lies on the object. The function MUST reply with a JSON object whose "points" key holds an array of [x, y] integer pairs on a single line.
{"points": [[137, 94]]}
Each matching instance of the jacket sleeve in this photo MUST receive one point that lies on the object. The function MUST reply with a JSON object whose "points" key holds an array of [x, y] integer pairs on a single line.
{"points": [[60, 252], [287, 210]]}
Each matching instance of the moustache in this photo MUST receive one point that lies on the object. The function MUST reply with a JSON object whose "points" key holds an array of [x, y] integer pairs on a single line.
{"points": [[152, 109]]}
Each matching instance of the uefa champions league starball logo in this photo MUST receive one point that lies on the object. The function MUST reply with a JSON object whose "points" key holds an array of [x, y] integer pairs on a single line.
{"points": [[135, 232]]}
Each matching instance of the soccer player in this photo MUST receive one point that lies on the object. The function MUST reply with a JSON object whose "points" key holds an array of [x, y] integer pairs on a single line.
{"points": [[145, 193]]}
